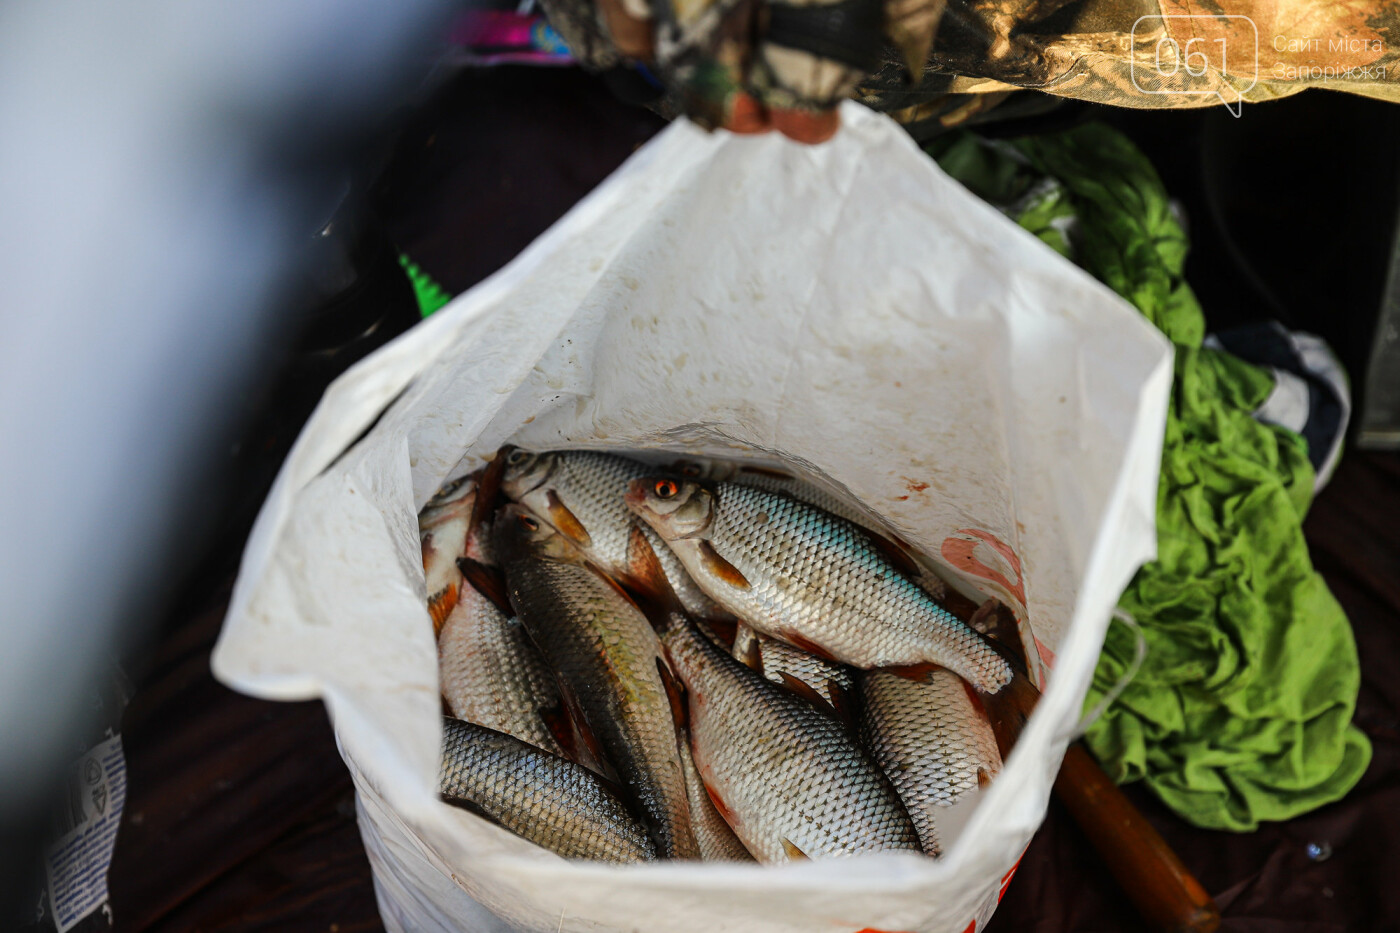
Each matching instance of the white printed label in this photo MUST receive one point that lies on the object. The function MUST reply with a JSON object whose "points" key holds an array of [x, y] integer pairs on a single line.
{"points": [[78, 861]]}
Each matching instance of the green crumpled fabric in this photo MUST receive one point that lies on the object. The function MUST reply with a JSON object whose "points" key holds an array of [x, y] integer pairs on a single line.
{"points": [[1242, 709]]}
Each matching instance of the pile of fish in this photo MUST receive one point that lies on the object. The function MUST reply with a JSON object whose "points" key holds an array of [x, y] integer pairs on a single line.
{"points": [[707, 661]]}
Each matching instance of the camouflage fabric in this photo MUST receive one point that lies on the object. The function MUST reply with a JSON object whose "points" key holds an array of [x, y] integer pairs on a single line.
{"points": [[1154, 53], [735, 63]]}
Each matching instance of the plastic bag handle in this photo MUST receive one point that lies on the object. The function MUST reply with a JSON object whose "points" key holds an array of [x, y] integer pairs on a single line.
{"points": [[1099, 708]]}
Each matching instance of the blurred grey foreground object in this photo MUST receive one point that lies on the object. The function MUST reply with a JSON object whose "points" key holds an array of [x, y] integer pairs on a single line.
{"points": [[160, 162], [1380, 413]]}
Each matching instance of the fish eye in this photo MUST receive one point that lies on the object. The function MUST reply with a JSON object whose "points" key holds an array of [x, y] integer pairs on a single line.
{"points": [[529, 523], [665, 488], [517, 457]]}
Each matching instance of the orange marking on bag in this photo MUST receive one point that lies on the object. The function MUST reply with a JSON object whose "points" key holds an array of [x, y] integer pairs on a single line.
{"points": [[961, 553]]}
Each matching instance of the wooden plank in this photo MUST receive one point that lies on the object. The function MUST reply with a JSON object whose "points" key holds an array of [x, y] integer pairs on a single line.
{"points": [[213, 778], [314, 878]]}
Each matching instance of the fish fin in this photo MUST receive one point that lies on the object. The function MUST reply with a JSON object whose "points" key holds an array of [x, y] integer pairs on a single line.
{"points": [[674, 694], [488, 490], [806, 644], [566, 522], [488, 581], [984, 778], [725, 628], [1009, 708], [441, 604], [793, 852], [719, 803], [771, 472], [896, 555], [752, 656], [915, 672], [720, 567], [647, 581], [807, 692], [617, 587], [559, 724], [612, 785], [589, 740], [842, 702], [471, 806]]}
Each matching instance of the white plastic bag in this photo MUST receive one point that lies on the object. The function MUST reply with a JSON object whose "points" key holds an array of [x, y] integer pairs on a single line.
{"points": [[846, 307]]}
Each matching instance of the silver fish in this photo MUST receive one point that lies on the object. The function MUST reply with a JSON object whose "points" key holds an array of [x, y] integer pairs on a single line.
{"points": [[692, 598], [717, 841], [807, 674], [580, 493], [443, 526], [810, 579], [931, 737], [546, 799], [492, 674], [771, 479], [609, 666], [790, 780]]}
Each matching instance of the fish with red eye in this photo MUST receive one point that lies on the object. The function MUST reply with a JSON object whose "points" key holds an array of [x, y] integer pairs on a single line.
{"points": [[808, 578], [580, 494]]}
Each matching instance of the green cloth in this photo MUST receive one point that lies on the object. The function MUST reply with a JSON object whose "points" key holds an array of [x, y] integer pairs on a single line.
{"points": [[1242, 710]]}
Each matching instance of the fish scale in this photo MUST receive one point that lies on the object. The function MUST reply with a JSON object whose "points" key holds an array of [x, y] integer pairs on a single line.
{"points": [[716, 840], [692, 598], [546, 799], [591, 485], [776, 479], [818, 577], [930, 738], [785, 773], [491, 673], [831, 681]]}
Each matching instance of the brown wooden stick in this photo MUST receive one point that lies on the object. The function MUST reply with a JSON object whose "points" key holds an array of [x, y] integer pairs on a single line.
{"points": [[1168, 896]]}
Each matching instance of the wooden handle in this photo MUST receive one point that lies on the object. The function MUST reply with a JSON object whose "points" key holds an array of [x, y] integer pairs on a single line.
{"points": [[1169, 898]]}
